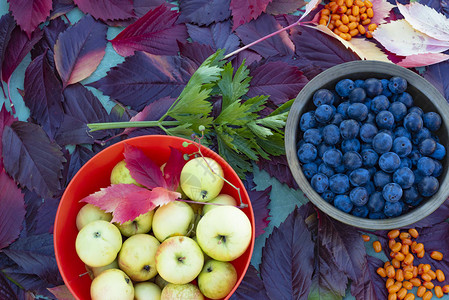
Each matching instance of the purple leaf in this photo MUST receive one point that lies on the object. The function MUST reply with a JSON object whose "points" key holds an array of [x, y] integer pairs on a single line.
{"points": [[244, 11], [156, 33], [278, 168], [12, 212], [247, 56], [79, 50], [195, 51], [438, 216], [61, 292], [279, 44], [218, 36], [43, 95], [6, 291], [142, 79], [287, 259], [7, 25], [435, 73], [141, 7], [30, 13], [32, 159], [78, 158], [107, 9], [277, 79], [251, 287], [31, 283], [370, 286], [259, 202], [277, 7], [31, 223], [204, 12], [173, 168], [61, 7], [6, 119]]}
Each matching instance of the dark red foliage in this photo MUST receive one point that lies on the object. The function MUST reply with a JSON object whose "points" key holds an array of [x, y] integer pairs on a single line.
{"points": [[107, 9], [30, 13], [204, 12], [218, 36]]}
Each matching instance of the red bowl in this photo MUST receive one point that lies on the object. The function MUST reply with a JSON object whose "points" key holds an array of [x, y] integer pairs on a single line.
{"points": [[95, 175]]}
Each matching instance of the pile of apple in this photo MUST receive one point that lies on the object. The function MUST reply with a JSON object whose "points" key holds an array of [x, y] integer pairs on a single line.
{"points": [[160, 253]]}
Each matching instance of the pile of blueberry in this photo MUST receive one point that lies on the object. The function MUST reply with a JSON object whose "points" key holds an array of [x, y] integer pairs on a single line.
{"points": [[368, 150]]}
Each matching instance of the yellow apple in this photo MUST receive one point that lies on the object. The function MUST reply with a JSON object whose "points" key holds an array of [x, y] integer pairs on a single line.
{"points": [[120, 174], [89, 213], [174, 218], [112, 284], [181, 291], [217, 279], [95, 271], [141, 224], [220, 199], [147, 291]]}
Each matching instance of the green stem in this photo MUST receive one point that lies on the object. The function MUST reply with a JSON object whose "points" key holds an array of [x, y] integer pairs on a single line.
{"points": [[114, 125]]}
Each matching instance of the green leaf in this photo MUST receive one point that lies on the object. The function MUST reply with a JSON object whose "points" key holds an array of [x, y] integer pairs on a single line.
{"points": [[239, 114], [274, 144], [275, 122], [284, 108], [184, 130], [259, 131], [233, 87], [238, 162]]}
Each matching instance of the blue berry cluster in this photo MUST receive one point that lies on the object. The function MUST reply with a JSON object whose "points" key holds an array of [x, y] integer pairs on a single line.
{"points": [[368, 150]]}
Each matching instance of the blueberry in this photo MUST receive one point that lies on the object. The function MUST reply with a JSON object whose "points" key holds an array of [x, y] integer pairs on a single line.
{"points": [[402, 146], [357, 95], [360, 211], [359, 83], [323, 96], [328, 196], [359, 177], [366, 146], [367, 132], [309, 170], [401, 131], [392, 192], [326, 170], [439, 153], [404, 177], [376, 215], [307, 121], [324, 113], [339, 183], [438, 169], [389, 162], [357, 111], [379, 103], [352, 160], [418, 176], [385, 90], [432, 121], [323, 148], [428, 186], [349, 129], [319, 182], [384, 120], [344, 87], [405, 98], [405, 162], [397, 85], [376, 202], [373, 87], [371, 118], [331, 134], [382, 142], [427, 146], [337, 119], [369, 158], [399, 110], [350, 145], [313, 136], [307, 153], [393, 209], [416, 109], [421, 135], [369, 186], [342, 108], [343, 203], [359, 196], [332, 157], [381, 178], [389, 132], [410, 195], [413, 122], [414, 156], [425, 166]]}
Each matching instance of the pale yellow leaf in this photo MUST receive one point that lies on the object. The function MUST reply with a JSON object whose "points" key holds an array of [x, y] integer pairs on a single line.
{"points": [[381, 10], [309, 7], [424, 59]]}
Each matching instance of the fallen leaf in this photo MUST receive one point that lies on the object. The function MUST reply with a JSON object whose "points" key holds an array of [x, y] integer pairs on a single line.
{"points": [[370, 286], [61, 7], [244, 11], [382, 9], [196, 52], [278, 168], [6, 119], [61, 292], [311, 5], [30, 13], [423, 59], [107, 9], [218, 36], [7, 25], [204, 12], [6, 291], [141, 7], [172, 169], [277, 7], [436, 74], [251, 287], [259, 201], [78, 158]]}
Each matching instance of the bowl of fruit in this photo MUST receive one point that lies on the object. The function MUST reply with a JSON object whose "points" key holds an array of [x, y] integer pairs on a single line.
{"points": [[365, 141], [154, 217]]}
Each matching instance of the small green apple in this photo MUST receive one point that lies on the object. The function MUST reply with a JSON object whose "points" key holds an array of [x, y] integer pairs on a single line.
{"points": [[98, 243], [95, 271], [220, 199], [89, 213], [141, 224], [197, 180], [174, 218], [147, 291], [217, 279], [112, 284], [179, 259], [120, 174], [181, 291], [137, 257], [224, 233]]}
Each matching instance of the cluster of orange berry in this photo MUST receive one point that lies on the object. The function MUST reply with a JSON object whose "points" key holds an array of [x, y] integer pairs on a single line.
{"points": [[402, 275], [348, 18]]}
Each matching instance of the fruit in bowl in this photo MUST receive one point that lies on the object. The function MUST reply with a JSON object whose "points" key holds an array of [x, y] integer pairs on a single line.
{"points": [[151, 193]]}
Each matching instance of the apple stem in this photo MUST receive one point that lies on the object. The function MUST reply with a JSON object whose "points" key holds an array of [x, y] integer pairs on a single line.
{"points": [[83, 274], [242, 205]]}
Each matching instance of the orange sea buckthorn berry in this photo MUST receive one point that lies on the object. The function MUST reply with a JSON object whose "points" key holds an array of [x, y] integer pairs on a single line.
{"points": [[421, 290], [408, 275], [325, 12], [405, 241], [362, 10], [369, 34], [428, 284], [407, 284], [322, 22], [407, 268], [352, 18], [343, 35], [415, 271], [426, 268], [399, 256], [349, 12], [334, 9], [342, 9], [335, 17], [420, 269], [330, 26], [365, 238], [405, 249], [413, 232], [420, 254], [445, 288], [438, 291], [399, 275], [349, 3], [394, 233], [366, 21], [359, 3], [370, 13], [394, 289], [348, 37], [340, 2], [440, 275], [368, 3], [427, 295], [404, 235], [386, 264], [382, 272], [401, 293], [336, 31], [372, 27], [377, 246], [389, 282], [392, 296], [355, 10], [325, 17], [343, 28], [409, 296], [415, 281], [362, 30], [390, 272], [426, 277], [432, 274], [436, 255], [418, 248], [338, 23], [395, 263], [352, 25], [396, 247], [408, 260], [353, 32], [364, 17], [344, 19]]}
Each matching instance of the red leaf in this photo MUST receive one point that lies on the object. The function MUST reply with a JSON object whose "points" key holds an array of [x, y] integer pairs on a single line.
{"points": [[30, 13], [172, 170], [370, 286], [422, 59], [218, 36], [107, 9], [156, 33], [142, 168], [12, 210], [195, 51], [277, 7], [7, 25], [6, 119], [79, 50], [128, 201], [204, 12], [141, 7], [61, 292], [244, 11]]}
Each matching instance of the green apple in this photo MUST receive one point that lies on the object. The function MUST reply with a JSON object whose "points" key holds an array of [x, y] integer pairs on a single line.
{"points": [[112, 284], [98, 243], [220, 199], [217, 279], [179, 259], [198, 181], [147, 291], [181, 291], [89, 213], [161, 282], [137, 257], [120, 174], [224, 233], [174, 218], [95, 271], [141, 224]]}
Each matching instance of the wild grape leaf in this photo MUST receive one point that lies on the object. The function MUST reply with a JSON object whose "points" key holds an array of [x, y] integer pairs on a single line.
{"points": [[438, 216], [370, 286], [441, 6], [422, 60], [32, 159], [61, 7], [141, 7], [32, 203], [278, 168], [218, 36], [287, 259], [107, 9], [142, 79], [12, 212], [259, 202], [28, 282], [7, 25], [435, 73], [196, 52], [30, 13], [79, 50], [128, 201], [173, 168], [277, 79], [251, 287], [277, 7], [264, 25], [78, 158], [6, 291], [156, 32], [43, 95], [247, 56], [46, 214], [244, 11], [204, 12], [6, 119], [61, 292]]}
